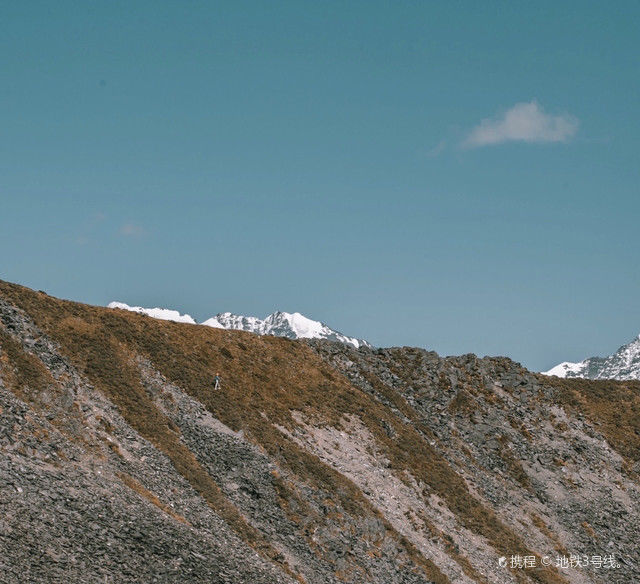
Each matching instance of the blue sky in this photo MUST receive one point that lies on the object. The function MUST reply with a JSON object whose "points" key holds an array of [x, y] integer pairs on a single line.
{"points": [[461, 176]]}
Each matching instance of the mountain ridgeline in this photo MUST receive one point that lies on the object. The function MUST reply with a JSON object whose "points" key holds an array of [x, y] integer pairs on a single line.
{"points": [[624, 364], [279, 324], [315, 462]]}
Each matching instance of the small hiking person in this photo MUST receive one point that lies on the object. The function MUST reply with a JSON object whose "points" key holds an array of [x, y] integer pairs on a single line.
{"points": [[216, 381]]}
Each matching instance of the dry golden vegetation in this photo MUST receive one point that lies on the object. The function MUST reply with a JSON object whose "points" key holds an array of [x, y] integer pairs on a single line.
{"points": [[612, 406], [134, 485], [264, 379]]}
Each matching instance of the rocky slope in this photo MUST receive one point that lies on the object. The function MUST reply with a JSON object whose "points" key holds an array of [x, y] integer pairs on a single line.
{"points": [[316, 462], [622, 365]]}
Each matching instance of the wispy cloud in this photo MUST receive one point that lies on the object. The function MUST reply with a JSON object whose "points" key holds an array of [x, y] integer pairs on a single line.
{"points": [[524, 122], [131, 230], [437, 149], [89, 227]]}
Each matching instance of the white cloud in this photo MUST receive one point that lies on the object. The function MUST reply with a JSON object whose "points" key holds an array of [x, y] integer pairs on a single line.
{"points": [[437, 149], [131, 230], [524, 122]]}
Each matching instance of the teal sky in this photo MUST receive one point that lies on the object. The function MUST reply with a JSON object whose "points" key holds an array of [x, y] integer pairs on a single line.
{"points": [[331, 158]]}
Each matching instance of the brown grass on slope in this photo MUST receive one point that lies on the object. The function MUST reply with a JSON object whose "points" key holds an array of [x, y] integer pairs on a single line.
{"points": [[264, 379], [612, 406]]}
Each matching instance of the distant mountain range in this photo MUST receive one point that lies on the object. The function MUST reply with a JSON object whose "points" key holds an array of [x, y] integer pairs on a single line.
{"points": [[283, 324], [623, 364], [279, 324]]}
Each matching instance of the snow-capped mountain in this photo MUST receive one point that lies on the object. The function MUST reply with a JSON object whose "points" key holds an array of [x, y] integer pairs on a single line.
{"points": [[279, 324], [283, 324], [623, 364], [160, 313]]}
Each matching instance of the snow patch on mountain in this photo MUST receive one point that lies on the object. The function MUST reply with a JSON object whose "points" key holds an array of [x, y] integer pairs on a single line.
{"points": [[566, 369], [161, 313], [624, 364], [280, 324], [283, 324]]}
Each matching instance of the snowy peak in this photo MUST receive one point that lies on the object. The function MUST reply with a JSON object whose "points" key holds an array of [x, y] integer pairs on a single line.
{"points": [[283, 324], [160, 313], [623, 364], [280, 324], [566, 369], [227, 320]]}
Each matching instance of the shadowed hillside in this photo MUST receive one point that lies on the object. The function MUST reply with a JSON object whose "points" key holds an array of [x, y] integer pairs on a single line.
{"points": [[315, 462]]}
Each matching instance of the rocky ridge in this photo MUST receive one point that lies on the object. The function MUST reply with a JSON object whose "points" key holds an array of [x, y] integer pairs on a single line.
{"points": [[316, 462]]}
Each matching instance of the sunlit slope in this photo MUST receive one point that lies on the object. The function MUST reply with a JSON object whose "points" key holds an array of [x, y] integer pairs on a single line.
{"points": [[332, 464]]}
